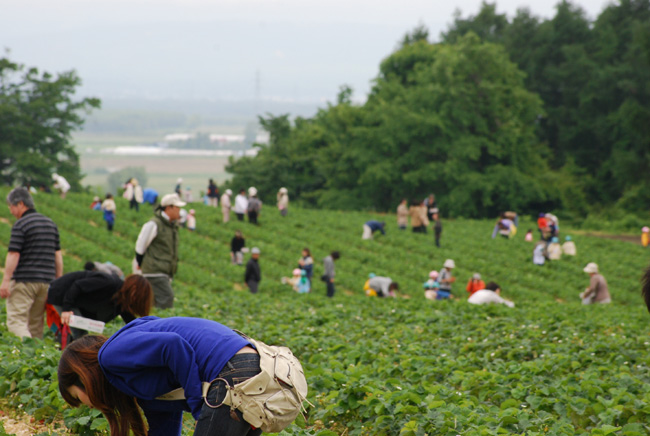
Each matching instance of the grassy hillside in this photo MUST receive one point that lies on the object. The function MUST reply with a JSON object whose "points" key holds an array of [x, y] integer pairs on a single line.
{"points": [[390, 366]]}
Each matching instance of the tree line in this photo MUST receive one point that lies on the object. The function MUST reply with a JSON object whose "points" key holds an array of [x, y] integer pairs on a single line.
{"points": [[502, 113]]}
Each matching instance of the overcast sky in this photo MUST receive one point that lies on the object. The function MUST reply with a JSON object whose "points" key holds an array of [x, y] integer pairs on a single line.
{"points": [[294, 50]]}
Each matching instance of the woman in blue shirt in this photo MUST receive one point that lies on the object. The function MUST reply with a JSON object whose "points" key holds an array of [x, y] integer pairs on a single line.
{"points": [[150, 357]]}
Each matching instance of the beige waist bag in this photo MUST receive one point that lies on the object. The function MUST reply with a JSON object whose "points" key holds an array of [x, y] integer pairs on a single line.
{"points": [[272, 399]]}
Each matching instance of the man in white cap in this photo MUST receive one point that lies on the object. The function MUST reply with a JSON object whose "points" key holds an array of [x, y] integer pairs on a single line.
{"points": [[226, 205], [445, 278], [597, 292], [156, 250], [253, 274]]}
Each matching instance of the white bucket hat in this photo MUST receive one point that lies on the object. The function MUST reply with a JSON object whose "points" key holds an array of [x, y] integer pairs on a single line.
{"points": [[591, 268], [252, 191], [449, 263], [283, 190], [229, 192]]}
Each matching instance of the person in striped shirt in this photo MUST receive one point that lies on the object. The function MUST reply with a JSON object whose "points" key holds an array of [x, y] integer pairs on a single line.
{"points": [[33, 260]]}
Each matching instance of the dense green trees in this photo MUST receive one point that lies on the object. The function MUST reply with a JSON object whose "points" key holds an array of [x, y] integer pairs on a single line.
{"points": [[517, 113], [37, 117], [594, 79]]}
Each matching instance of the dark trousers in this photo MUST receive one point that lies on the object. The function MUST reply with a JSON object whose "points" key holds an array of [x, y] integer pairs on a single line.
{"points": [[252, 217], [134, 204], [253, 286], [218, 420], [330, 287], [438, 233], [240, 216]]}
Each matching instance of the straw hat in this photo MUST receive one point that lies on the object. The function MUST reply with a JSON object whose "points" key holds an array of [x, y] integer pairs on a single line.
{"points": [[591, 268]]}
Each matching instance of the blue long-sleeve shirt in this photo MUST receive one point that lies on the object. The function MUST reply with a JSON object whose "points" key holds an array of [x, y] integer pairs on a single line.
{"points": [[376, 225], [151, 356]]}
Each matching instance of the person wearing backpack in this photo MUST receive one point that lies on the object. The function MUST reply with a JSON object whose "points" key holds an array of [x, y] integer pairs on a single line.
{"points": [[164, 366]]}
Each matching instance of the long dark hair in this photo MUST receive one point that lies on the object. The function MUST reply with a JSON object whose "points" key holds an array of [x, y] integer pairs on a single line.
{"points": [[79, 366], [645, 289], [135, 296]]}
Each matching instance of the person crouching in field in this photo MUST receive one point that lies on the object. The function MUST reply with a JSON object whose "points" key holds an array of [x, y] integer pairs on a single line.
{"points": [[383, 286], [165, 366], [432, 286], [569, 247], [446, 279], [371, 227], [99, 296], [597, 292], [475, 284], [490, 295]]}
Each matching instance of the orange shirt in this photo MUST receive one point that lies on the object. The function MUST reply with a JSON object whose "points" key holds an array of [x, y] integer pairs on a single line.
{"points": [[475, 285]]}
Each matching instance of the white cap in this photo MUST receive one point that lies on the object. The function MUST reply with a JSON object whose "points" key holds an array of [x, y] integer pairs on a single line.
{"points": [[255, 250], [180, 180], [476, 276], [171, 200], [591, 268], [449, 263], [252, 191], [229, 192], [283, 190]]}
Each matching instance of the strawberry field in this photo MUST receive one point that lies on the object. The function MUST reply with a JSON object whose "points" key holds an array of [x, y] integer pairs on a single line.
{"points": [[406, 366]]}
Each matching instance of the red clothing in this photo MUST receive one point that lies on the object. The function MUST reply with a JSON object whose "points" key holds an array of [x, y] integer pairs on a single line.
{"points": [[542, 223], [475, 285]]}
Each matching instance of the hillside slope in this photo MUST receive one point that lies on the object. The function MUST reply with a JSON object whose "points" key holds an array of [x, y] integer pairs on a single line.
{"points": [[389, 365]]}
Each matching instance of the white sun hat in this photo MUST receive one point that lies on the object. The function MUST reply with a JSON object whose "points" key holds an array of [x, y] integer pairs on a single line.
{"points": [[449, 263]]}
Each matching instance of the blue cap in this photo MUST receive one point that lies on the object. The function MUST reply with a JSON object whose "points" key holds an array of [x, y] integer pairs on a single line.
{"points": [[371, 275], [568, 238]]}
